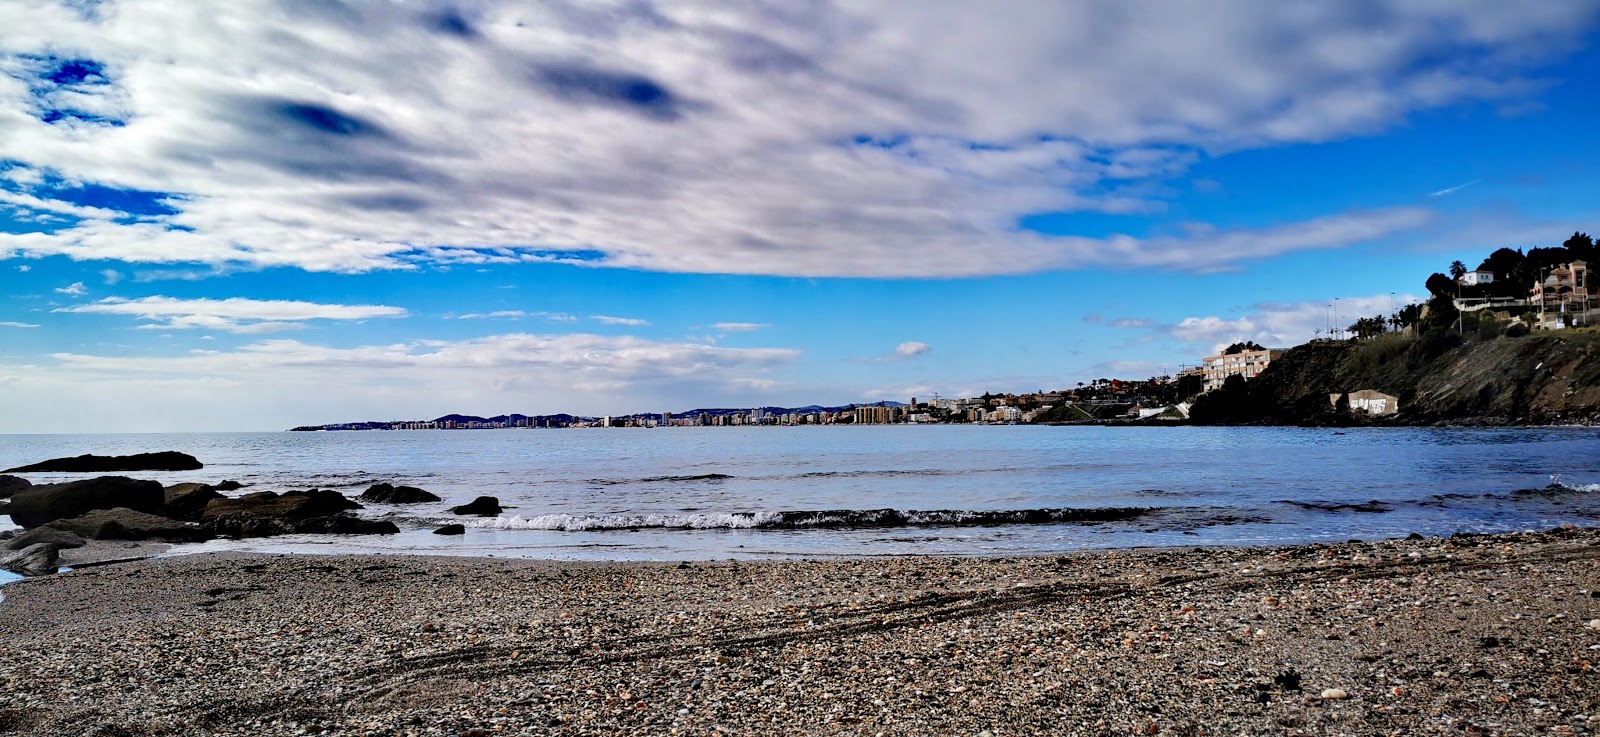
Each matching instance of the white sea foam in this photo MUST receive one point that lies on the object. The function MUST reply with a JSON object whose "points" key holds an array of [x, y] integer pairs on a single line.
{"points": [[575, 523]]}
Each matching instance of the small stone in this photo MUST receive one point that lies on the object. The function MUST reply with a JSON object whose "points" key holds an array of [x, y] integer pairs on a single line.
{"points": [[1593, 624], [451, 529], [1334, 694]]}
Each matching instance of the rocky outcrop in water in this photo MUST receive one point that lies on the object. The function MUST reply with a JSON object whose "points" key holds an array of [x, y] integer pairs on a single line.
{"points": [[245, 525], [51, 535], [384, 493], [451, 529], [266, 514], [187, 501], [290, 504], [11, 484], [163, 461], [48, 502], [483, 506], [126, 524]]}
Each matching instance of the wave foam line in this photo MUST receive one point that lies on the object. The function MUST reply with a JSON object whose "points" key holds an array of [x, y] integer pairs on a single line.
{"points": [[825, 519]]}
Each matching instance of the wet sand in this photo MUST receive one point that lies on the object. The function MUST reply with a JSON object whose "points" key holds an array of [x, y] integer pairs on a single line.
{"points": [[1466, 635]]}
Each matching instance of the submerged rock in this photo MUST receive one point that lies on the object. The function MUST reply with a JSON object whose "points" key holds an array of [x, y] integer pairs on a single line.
{"points": [[11, 484], [36, 558], [58, 538], [127, 524], [187, 501], [383, 493], [483, 506], [45, 503], [451, 529], [163, 461], [228, 485]]}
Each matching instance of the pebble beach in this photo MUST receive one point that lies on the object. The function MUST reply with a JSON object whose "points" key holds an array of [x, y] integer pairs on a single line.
{"points": [[1463, 635]]}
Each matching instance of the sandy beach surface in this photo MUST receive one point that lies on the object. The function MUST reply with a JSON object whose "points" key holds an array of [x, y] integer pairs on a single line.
{"points": [[1466, 635]]}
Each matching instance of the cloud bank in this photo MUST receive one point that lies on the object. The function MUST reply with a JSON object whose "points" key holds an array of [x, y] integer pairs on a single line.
{"points": [[760, 137], [275, 383], [235, 314]]}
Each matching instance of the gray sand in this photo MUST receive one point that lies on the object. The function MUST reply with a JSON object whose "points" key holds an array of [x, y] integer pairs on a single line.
{"points": [[1483, 635]]}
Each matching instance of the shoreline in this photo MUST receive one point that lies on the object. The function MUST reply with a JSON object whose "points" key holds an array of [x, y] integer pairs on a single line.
{"points": [[1500, 633]]}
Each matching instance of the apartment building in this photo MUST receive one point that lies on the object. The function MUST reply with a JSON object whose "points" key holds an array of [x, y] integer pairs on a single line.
{"points": [[1563, 297], [1248, 364]]}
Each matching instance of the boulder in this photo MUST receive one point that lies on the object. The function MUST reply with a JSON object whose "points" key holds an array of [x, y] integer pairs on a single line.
{"points": [[290, 504], [126, 524], [163, 461], [250, 525], [390, 494], [11, 484], [452, 529], [36, 558], [5, 508], [187, 501], [228, 485], [483, 506], [58, 538], [46, 502]]}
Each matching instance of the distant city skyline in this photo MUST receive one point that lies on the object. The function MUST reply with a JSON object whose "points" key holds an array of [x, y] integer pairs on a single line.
{"points": [[262, 214]]}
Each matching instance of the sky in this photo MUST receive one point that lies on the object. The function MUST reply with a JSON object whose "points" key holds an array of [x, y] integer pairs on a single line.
{"points": [[265, 213]]}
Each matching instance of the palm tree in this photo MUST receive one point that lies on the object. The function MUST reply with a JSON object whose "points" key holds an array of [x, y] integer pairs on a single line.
{"points": [[1457, 269]]}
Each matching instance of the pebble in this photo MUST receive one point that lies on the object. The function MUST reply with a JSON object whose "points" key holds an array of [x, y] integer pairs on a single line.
{"points": [[1152, 641]]}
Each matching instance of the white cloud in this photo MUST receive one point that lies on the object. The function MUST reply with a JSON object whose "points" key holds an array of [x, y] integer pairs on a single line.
{"points": [[740, 327], [911, 349], [111, 276], [280, 383], [9, 324], [1276, 324], [696, 137], [24, 268], [235, 314], [904, 352], [75, 289], [501, 314], [609, 320]]}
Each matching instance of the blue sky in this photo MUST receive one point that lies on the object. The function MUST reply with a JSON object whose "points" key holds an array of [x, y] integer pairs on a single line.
{"points": [[315, 212]]}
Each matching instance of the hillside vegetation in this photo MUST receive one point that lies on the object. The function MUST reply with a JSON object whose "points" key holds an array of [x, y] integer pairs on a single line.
{"points": [[1439, 377]]}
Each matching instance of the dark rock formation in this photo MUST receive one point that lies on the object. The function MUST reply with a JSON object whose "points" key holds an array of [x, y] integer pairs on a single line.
{"points": [[11, 484], [483, 506], [51, 535], [452, 529], [36, 558], [249, 525], [228, 485], [390, 494], [163, 461], [187, 501], [291, 504], [46, 502], [265, 514], [126, 524]]}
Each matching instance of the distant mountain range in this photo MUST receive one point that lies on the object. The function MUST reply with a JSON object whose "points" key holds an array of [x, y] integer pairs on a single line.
{"points": [[563, 419]]}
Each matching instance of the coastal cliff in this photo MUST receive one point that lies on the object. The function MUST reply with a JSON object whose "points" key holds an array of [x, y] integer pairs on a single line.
{"points": [[1438, 378]]}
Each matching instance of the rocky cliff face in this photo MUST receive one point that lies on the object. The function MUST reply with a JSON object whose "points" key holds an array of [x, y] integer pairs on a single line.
{"points": [[1544, 378]]}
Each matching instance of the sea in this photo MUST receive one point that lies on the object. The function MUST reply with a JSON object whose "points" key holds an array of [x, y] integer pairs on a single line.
{"points": [[671, 494]]}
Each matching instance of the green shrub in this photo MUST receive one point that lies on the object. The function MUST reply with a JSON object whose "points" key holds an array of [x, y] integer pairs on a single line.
{"points": [[1517, 330]]}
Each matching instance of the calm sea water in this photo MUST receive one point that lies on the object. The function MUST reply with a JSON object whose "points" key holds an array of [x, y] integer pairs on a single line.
{"points": [[699, 493]]}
